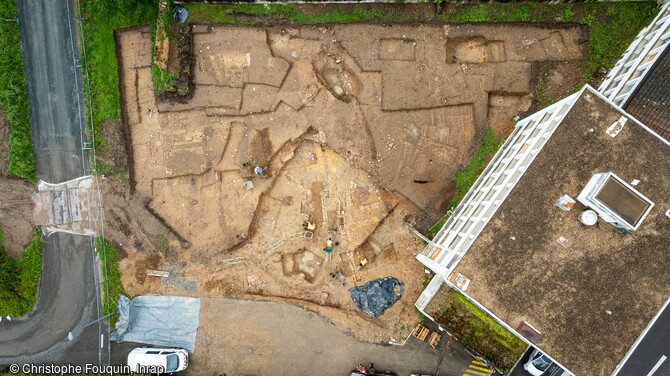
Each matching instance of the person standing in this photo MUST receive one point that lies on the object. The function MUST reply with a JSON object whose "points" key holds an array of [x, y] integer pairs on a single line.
{"points": [[329, 249]]}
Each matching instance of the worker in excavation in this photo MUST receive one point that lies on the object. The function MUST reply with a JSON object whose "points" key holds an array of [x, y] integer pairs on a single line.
{"points": [[329, 249]]}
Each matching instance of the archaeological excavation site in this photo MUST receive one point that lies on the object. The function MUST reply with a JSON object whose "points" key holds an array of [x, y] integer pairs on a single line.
{"points": [[302, 161]]}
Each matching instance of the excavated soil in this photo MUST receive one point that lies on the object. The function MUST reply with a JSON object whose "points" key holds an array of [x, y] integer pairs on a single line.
{"points": [[180, 62], [16, 206], [295, 136], [16, 214], [113, 153]]}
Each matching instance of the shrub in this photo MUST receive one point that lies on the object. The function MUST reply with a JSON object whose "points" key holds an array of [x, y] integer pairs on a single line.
{"points": [[19, 279]]}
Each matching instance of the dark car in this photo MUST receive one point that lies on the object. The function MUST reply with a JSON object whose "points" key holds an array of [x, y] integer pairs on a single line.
{"points": [[385, 373], [370, 371]]}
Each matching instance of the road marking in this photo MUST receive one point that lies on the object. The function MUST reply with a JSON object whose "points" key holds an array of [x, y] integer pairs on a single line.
{"points": [[477, 368], [470, 372], [658, 364]]}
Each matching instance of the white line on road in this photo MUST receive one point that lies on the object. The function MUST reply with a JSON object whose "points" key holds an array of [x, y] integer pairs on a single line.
{"points": [[658, 364]]}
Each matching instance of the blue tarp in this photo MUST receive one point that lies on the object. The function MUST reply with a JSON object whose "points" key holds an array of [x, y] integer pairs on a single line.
{"points": [[376, 296], [168, 321]]}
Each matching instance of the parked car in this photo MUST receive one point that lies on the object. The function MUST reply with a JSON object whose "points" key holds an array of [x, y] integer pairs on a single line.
{"points": [[537, 363], [156, 361]]}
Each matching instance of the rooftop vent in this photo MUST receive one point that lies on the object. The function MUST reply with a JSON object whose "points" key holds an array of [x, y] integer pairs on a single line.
{"points": [[459, 280], [589, 217], [615, 201]]}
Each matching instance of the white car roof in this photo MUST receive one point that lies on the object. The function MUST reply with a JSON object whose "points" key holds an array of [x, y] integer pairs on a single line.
{"points": [[149, 357]]}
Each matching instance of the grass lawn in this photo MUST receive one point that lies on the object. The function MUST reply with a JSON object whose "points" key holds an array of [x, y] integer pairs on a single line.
{"points": [[113, 287], [479, 331], [19, 279], [100, 19], [225, 13], [13, 96]]}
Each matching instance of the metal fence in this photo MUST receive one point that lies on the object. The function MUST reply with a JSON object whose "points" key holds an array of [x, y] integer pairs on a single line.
{"points": [[89, 167]]}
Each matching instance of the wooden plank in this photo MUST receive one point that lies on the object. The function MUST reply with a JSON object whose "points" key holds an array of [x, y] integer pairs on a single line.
{"points": [[158, 273], [435, 338], [420, 332]]}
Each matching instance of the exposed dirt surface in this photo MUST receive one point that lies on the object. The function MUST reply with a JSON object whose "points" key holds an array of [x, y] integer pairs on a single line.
{"points": [[295, 136], [553, 81], [16, 214], [113, 153], [564, 80], [180, 62], [16, 206]]}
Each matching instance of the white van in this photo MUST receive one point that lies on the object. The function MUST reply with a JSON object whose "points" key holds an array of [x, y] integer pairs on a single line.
{"points": [[152, 360]]}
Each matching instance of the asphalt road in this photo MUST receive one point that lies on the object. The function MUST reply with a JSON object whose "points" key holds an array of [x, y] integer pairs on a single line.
{"points": [[48, 40], [67, 294], [651, 351], [64, 300]]}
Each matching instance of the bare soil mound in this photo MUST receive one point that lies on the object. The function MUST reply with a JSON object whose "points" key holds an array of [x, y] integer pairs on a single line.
{"points": [[16, 214]]}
